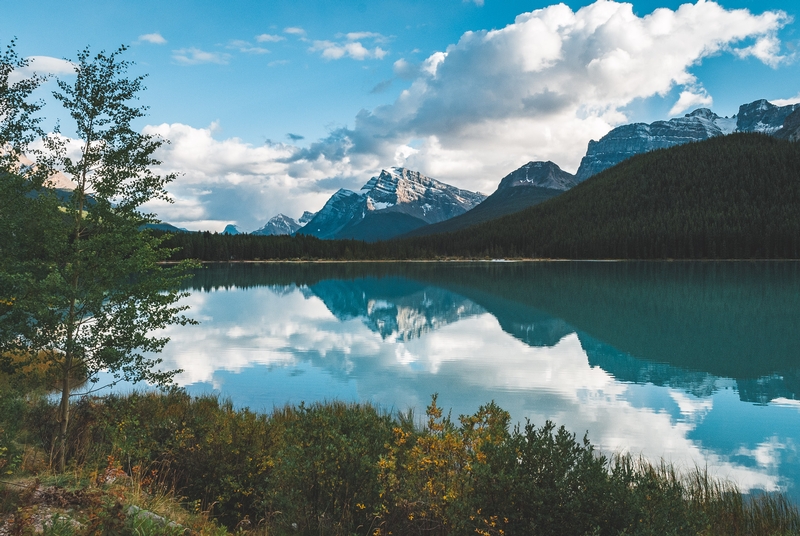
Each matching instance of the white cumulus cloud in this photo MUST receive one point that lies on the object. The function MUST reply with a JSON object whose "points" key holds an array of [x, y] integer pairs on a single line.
{"points": [[153, 38], [766, 49], [42, 65], [691, 99], [224, 180], [269, 38], [246, 47], [786, 102], [359, 36], [350, 49], [537, 89], [542, 87]]}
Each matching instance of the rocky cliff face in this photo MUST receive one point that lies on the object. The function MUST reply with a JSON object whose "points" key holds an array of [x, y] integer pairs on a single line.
{"points": [[279, 225], [397, 191], [791, 127], [762, 116], [343, 207], [412, 193], [629, 140], [541, 174], [533, 183], [306, 217]]}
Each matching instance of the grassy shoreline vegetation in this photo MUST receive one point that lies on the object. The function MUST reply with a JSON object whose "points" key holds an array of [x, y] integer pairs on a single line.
{"points": [[169, 463]]}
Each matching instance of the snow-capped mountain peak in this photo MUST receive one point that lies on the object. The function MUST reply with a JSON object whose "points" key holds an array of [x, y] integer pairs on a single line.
{"points": [[629, 140], [279, 225], [408, 194]]}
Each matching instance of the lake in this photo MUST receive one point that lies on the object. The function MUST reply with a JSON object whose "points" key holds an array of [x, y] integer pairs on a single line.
{"points": [[697, 363]]}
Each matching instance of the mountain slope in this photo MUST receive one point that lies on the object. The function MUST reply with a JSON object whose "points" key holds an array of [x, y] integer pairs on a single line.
{"points": [[732, 196], [791, 127], [412, 198], [231, 229], [278, 225], [339, 211], [637, 138], [527, 186], [166, 227], [380, 226]]}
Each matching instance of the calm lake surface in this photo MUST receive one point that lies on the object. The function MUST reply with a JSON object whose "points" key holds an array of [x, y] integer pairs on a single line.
{"points": [[697, 363]]}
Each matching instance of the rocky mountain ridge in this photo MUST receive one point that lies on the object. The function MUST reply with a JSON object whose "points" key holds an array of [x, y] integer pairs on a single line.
{"points": [[791, 127], [628, 140], [278, 225], [396, 200], [541, 174], [531, 184]]}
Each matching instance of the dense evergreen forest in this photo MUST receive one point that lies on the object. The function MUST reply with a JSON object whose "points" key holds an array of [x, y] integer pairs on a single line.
{"points": [[736, 196], [499, 204]]}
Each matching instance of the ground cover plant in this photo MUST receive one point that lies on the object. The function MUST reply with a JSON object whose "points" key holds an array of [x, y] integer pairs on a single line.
{"points": [[338, 468]]}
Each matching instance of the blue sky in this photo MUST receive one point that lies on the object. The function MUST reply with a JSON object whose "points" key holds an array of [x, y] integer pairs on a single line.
{"points": [[273, 105]]}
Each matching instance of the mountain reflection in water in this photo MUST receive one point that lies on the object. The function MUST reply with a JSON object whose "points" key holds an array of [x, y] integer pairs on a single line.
{"points": [[697, 362]]}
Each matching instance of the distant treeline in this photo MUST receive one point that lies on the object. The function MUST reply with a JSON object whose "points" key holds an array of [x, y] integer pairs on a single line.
{"points": [[735, 196], [217, 247]]}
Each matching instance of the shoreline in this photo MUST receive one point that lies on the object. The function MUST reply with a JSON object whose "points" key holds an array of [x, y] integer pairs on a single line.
{"points": [[465, 260]]}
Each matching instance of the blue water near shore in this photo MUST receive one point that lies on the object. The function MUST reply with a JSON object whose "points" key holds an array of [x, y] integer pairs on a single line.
{"points": [[696, 363]]}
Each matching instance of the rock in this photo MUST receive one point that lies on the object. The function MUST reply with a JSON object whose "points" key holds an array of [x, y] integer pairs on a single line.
{"points": [[629, 140], [541, 174], [136, 512]]}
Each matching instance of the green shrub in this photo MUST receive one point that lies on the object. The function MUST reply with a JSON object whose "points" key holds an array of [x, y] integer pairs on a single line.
{"points": [[343, 469], [326, 468]]}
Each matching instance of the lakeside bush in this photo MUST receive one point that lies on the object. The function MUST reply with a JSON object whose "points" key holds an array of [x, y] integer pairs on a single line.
{"points": [[345, 468]]}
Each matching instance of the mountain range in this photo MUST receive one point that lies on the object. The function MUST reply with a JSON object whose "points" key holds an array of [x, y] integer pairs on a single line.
{"points": [[727, 197], [284, 225], [529, 185], [401, 202], [628, 140]]}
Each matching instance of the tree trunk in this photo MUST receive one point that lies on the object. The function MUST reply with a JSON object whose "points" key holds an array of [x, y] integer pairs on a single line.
{"points": [[63, 417]]}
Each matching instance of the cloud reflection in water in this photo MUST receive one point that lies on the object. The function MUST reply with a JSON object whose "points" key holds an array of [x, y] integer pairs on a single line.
{"points": [[366, 340]]}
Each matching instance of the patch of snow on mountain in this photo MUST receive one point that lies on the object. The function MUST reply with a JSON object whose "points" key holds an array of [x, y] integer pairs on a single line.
{"points": [[726, 124]]}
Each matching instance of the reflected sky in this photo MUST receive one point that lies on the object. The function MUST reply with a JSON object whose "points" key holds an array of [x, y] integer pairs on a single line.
{"points": [[395, 337]]}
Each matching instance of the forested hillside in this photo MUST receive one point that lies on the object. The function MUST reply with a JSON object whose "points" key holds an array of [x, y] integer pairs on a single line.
{"points": [[499, 204], [735, 196]]}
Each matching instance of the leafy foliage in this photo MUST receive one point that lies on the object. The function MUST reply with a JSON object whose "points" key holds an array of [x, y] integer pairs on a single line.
{"points": [[344, 469], [83, 285]]}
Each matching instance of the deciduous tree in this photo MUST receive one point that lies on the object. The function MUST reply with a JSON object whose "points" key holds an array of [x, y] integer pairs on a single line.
{"points": [[100, 295]]}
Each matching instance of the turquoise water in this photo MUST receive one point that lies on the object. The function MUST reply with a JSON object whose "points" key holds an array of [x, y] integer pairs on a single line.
{"points": [[697, 363]]}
